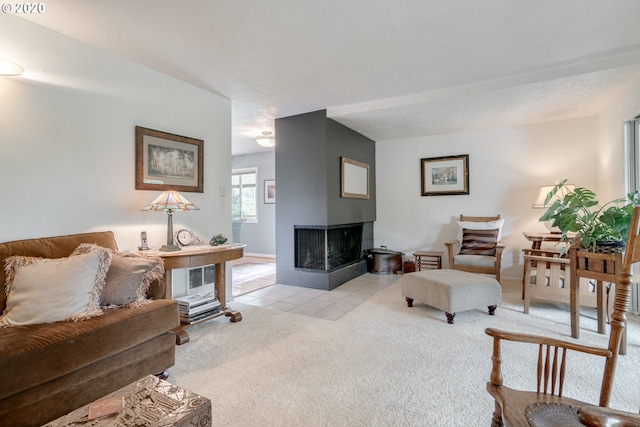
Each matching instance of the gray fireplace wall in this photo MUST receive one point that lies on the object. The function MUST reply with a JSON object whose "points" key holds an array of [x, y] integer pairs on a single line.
{"points": [[308, 151]]}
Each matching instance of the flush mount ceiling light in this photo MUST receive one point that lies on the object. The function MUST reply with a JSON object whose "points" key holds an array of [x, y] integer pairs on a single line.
{"points": [[8, 68], [266, 141]]}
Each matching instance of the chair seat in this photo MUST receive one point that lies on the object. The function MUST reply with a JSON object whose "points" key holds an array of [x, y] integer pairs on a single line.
{"points": [[552, 414], [515, 404], [475, 260]]}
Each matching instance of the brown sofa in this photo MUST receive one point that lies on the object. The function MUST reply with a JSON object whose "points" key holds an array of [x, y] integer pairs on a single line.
{"points": [[50, 369]]}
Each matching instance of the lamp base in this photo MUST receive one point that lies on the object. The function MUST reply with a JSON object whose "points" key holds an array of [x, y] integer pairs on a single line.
{"points": [[169, 248], [552, 229]]}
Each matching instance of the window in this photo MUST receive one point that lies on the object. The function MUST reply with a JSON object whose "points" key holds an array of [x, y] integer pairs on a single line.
{"points": [[244, 195], [632, 142]]}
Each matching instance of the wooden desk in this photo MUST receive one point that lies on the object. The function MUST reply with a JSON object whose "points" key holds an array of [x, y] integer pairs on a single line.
{"points": [[603, 268], [197, 256]]}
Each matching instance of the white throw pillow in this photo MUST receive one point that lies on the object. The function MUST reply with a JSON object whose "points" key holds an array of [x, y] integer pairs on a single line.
{"points": [[472, 225], [42, 290]]}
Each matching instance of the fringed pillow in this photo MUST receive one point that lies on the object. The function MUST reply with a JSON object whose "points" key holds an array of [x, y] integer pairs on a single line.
{"points": [[479, 242], [128, 278], [43, 290]]}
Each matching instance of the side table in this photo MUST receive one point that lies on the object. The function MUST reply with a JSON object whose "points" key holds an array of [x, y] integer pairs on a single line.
{"points": [[197, 256], [428, 259], [537, 239], [603, 268]]}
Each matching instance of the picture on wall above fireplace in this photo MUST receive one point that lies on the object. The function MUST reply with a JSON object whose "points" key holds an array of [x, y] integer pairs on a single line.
{"points": [[442, 176], [354, 179], [165, 161]]}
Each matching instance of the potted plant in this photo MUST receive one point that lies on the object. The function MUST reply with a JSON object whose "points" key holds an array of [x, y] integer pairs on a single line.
{"points": [[596, 225]]}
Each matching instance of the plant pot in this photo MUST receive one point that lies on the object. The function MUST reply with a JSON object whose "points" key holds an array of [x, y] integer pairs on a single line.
{"points": [[610, 246]]}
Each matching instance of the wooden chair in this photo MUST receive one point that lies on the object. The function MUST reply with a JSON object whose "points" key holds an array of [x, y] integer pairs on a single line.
{"points": [[547, 277], [512, 407], [596, 416], [486, 264]]}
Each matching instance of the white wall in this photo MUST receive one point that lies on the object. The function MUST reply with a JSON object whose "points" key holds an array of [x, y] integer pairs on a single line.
{"points": [[67, 143], [506, 168], [610, 157], [68, 146]]}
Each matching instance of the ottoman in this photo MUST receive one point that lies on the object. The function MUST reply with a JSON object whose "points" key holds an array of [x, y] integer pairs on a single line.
{"points": [[150, 402], [452, 290]]}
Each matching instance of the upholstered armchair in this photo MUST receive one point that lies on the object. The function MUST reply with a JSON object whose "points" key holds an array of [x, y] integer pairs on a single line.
{"points": [[477, 248]]}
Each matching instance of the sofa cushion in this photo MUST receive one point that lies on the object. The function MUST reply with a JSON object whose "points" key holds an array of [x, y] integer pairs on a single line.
{"points": [[479, 242], [35, 354], [43, 290], [128, 278], [478, 225], [51, 247]]}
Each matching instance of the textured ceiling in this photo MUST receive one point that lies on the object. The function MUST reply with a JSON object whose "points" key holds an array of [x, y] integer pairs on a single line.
{"points": [[389, 70]]}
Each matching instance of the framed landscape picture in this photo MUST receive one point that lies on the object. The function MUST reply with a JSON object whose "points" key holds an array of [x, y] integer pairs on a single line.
{"points": [[165, 161], [441, 176]]}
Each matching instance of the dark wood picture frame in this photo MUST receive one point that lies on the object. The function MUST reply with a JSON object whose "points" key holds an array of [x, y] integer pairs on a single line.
{"points": [[444, 176], [165, 161]]}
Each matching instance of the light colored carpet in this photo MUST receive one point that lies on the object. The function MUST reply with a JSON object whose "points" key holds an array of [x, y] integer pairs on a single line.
{"points": [[382, 364], [252, 270]]}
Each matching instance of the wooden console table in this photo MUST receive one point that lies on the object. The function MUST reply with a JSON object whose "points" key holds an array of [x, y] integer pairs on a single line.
{"points": [[197, 256]]}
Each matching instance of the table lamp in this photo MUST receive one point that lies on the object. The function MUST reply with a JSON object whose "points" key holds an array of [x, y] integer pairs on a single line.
{"points": [[542, 196], [170, 201]]}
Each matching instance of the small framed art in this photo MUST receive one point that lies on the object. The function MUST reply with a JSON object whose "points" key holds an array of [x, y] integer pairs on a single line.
{"points": [[442, 176], [269, 190]]}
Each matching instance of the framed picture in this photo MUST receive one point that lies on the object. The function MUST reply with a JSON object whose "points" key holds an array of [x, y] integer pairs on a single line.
{"points": [[443, 176], [354, 178], [165, 161], [270, 191]]}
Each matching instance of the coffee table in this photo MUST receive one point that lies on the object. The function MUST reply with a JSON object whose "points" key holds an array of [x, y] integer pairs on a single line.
{"points": [[150, 402]]}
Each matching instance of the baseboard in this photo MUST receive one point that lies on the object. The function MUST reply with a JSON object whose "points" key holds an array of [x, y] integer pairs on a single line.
{"points": [[255, 255]]}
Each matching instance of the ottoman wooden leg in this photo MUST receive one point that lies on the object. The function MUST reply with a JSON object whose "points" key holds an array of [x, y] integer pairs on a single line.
{"points": [[492, 310], [450, 317], [409, 301]]}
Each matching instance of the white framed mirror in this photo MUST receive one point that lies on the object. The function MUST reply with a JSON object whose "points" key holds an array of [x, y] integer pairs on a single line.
{"points": [[354, 179]]}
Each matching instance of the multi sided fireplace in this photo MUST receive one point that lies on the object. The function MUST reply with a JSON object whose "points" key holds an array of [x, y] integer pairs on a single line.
{"points": [[328, 248]]}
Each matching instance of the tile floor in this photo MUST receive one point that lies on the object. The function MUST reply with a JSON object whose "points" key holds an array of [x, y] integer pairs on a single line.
{"points": [[329, 305], [253, 285]]}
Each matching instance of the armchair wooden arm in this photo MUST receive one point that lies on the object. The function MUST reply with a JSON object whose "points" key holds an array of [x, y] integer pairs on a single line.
{"points": [[596, 416], [451, 250]]}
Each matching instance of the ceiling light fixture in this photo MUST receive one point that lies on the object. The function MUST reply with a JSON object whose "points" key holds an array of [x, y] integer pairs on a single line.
{"points": [[266, 141], [8, 68]]}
